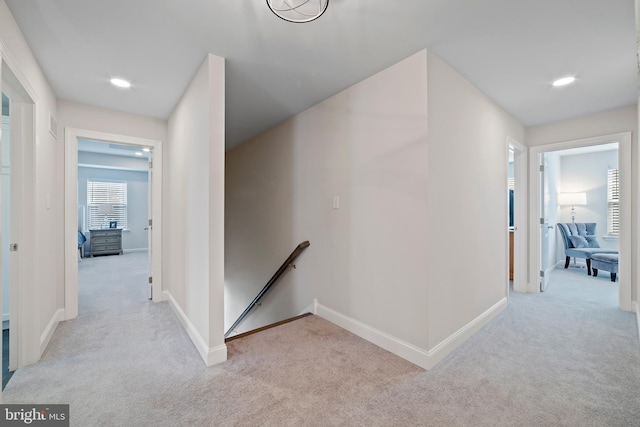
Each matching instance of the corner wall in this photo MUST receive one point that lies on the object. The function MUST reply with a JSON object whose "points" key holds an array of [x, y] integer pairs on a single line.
{"points": [[467, 210], [193, 211], [402, 156]]}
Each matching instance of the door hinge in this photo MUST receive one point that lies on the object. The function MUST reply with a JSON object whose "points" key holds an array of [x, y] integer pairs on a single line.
{"points": [[541, 221], [541, 273], [150, 222], [150, 279], [151, 165], [13, 247], [541, 168]]}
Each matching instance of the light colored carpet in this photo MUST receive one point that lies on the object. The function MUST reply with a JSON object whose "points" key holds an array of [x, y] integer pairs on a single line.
{"points": [[566, 357]]}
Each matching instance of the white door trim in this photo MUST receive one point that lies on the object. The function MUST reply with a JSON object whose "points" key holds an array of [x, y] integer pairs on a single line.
{"points": [[24, 314], [520, 237], [71, 210], [8, 59], [624, 163]]}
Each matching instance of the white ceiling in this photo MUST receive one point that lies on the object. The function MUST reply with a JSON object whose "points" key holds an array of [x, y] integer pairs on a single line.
{"points": [[510, 49]]}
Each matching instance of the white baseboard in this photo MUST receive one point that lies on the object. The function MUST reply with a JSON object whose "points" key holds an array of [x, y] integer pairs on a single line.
{"points": [[426, 359], [210, 356], [441, 350], [46, 336], [311, 308]]}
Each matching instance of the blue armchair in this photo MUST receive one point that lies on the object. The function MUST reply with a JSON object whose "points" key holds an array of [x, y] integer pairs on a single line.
{"points": [[580, 241]]}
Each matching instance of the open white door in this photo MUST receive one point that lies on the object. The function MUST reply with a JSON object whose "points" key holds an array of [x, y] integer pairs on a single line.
{"points": [[10, 201], [545, 251], [17, 210], [149, 226], [5, 266]]}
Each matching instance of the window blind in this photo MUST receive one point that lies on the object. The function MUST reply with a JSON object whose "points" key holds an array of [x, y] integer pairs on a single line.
{"points": [[613, 202], [106, 202]]}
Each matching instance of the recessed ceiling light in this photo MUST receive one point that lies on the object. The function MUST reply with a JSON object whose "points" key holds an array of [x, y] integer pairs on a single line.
{"points": [[120, 83], [564, 81], [138, 153]]}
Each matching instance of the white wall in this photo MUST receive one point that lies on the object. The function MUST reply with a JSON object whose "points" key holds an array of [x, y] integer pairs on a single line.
{"points": [[87, 117], [467, 254], [636, 217], [194, 210], [367, 146], [389, 259], [42, 206], [609, 122]]}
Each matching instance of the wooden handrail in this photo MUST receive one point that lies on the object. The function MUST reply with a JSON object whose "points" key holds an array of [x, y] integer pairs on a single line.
{"points": [[288, 262]]}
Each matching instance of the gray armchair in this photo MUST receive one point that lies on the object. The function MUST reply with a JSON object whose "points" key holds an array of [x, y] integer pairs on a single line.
{"points": [[580, 241]]}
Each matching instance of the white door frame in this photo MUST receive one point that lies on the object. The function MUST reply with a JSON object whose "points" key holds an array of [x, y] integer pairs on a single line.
{"points": [[624, 243], [26, 348], [71, 136], [520, 240]]}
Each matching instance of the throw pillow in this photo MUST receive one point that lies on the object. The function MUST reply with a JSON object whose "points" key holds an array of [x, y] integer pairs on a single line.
{"points": [[579, 242], [592, 241]]}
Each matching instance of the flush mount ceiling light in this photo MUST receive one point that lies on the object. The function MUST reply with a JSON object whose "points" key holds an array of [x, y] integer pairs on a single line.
{"points": [[298, 10], [120, 83], [564, 81]]}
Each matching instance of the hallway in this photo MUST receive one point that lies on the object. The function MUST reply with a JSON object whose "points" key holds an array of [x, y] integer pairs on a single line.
{"points": [[568, 356]]}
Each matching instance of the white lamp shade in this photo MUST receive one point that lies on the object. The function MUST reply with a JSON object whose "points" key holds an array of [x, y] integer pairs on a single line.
{"points": [[105, 209], [572, 199]]}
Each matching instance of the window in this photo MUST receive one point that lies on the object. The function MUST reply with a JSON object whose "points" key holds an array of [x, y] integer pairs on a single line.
{"points": [[106, 201], [613, 202]]}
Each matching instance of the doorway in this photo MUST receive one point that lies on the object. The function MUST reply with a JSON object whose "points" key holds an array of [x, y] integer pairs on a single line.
{"points": [[113, 214], [517, 189], [72, 138], [17, 189], [5, 192], [539, 221]]}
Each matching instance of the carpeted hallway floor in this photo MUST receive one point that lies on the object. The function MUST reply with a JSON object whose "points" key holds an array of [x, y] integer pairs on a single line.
{"points": [[566, 357]]}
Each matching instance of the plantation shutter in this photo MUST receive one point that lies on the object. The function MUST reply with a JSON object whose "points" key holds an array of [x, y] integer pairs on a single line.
{"points": [[613, 202], [106, 202]]}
